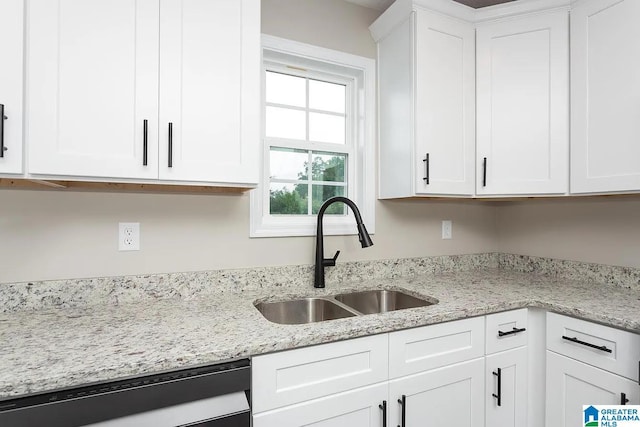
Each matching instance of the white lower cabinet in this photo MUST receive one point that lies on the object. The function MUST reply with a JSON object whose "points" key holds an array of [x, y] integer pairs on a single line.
{"points": [[572, 384], [506, 388], [588, 364], [438, 369], [362, 407], [449, 396]]}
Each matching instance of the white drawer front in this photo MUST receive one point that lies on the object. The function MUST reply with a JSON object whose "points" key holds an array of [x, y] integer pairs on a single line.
{"points": [[294, 376], [429, 347], [505, 330], [619, 351]]}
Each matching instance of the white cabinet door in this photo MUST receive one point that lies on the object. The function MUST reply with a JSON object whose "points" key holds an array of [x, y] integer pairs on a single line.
{"points": [[444, 105], [11, 85], [91, 84], [449, 396], [209, 90], [356, 408], [605, 96], [506, 388], [522, 101], [294, 376], [572, 384]]}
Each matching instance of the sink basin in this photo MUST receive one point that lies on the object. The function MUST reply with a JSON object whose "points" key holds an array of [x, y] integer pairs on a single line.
{"points": [[381, 301], [300, 311]]}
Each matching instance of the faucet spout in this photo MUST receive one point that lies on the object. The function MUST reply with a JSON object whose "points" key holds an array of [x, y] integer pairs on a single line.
{"points": [[321, 261]]}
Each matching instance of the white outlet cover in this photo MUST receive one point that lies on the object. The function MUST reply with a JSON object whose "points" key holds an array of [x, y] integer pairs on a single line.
{"points": [[129, 236], [447, 229]]}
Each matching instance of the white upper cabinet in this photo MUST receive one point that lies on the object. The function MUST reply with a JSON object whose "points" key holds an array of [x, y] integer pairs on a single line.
{"points": [[426, 109], [108, 77], [445, 105], [91, 84], [523, 106], [210, 90], [605, 96], [11, 85]]}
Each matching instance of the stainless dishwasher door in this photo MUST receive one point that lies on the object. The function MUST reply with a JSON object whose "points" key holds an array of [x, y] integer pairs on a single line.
{"points": [[212, 396]]}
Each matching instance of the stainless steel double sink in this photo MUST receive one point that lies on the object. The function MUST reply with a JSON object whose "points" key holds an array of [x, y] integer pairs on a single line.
{"points": [[318, 309]]}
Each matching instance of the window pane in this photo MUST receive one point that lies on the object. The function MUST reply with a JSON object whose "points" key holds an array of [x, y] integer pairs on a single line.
{"points": [[326, 128], [285, 123], [329, 166], [323, 192], [288, 163], [327, 96], [285, 89], [288, 199]]}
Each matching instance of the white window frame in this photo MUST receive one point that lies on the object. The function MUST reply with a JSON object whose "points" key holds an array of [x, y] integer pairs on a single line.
{"points": [[360, 72]]}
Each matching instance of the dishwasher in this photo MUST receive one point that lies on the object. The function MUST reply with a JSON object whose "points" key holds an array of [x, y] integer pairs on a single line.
{"points": [[213, 396]]}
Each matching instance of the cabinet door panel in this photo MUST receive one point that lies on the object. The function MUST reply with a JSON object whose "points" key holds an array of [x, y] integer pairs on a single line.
{"points": [[209, 90], [11, 83], [512, 411], [522, 67], [572, 384], [92, 81], [449, 396], [420, 349], [356, 408], [605, 96], [293, 376], [445, 107]]}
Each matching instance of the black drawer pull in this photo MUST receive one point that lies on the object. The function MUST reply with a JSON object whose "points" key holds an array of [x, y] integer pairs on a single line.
{"points": [[499, 395], [145, 141], [2, 119], [511, 332], [597, 347], [623, 399], [403, 404], [384, 413], [426, 169], [484, 172], [170, 154]]}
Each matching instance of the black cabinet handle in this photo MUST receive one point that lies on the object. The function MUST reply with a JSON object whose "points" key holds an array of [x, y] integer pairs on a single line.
{"points": [[623, 399], [145, 141], [403, 406], [426, 169], [597, 347], [2, 119], [170, 162], [384, 413], [511, 332], [484, 172], [499, 395]]}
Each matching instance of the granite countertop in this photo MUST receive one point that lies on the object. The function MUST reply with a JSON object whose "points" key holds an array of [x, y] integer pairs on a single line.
{"points": [[55, 348]]}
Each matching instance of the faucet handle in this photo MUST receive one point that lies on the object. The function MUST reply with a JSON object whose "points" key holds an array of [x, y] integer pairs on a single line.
{"points": [[330, 262]]}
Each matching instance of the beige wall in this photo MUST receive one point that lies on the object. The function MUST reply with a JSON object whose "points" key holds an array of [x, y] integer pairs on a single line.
{"points": [[52, 235], [602, 230], [334, 24]]}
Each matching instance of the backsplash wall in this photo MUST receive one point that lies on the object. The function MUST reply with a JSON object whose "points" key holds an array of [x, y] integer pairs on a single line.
{"points": [[49, 235], [604, 230]]}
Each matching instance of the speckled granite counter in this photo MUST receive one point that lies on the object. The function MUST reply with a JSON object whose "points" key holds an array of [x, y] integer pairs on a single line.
{"points": [[48, 349]]}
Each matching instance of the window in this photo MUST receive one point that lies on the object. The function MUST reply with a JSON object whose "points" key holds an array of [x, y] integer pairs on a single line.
{"points": [[317, 140]]}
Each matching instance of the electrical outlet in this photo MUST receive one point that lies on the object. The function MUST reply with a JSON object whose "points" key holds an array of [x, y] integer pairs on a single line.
{"points": [[447, 229], [129, 236]]}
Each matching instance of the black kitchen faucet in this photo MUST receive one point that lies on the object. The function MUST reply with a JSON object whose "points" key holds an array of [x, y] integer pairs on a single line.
{"points": [[321, 261]]}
